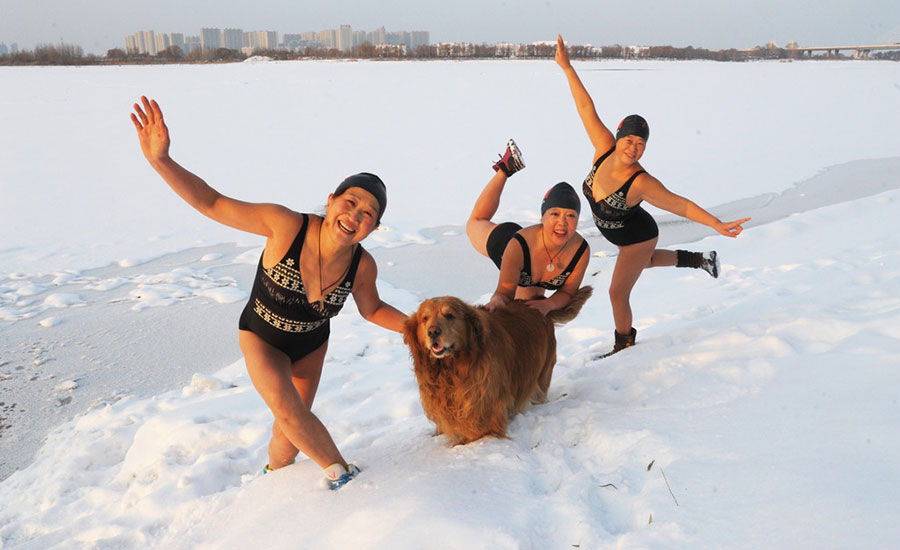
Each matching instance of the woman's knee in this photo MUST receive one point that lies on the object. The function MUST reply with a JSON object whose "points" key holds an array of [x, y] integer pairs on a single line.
{"points": [[277, 432], [288, 419], [478, 231], [619, 294]]}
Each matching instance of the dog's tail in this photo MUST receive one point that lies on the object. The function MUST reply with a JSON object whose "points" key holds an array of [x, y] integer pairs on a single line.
{"points": [[566, 314]]}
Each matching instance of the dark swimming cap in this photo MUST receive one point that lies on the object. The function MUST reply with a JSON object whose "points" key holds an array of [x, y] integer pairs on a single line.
{"points": [[633, 125], [368, 182], [561, 195]]}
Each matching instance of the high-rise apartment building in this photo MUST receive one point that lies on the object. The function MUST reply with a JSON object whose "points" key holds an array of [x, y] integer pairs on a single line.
{"points": [[376, 37], [255, 41], [233, 39], [344, 38], [418, 38], [176, 39], [192, 44], [397, 38], [327, 38], [210, 39], [147, 42], [141, 42], [151, 43], [162, 42]]}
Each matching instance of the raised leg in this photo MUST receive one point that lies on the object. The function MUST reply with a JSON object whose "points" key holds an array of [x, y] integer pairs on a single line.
{"points": [[480, 224]]}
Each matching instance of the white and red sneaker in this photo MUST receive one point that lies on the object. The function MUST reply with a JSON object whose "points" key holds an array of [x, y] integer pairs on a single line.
{"points": [[511, 160]]}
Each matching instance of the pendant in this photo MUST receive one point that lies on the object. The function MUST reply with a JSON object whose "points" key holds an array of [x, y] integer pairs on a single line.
{"points": [[550, 268]]}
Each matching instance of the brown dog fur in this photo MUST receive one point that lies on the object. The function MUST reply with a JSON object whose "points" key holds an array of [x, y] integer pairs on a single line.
{"points": [[476, 369]]}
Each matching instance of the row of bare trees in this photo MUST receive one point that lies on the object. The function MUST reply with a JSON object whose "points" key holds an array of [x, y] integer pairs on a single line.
{"points": [[69, 54]]}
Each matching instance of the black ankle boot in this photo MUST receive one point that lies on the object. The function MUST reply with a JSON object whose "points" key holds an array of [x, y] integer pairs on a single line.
{"points": [[707, 261], [622, 341]]}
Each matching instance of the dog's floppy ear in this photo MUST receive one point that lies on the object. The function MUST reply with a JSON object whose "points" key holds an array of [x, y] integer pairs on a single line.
{"points": [[474, 328], [411, 338], [409, 329]]}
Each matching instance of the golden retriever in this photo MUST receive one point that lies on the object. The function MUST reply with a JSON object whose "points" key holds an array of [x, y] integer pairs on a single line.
{"points": [[476, 369]]}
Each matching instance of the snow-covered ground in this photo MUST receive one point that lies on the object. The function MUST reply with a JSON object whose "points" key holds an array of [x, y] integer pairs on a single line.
{"points": [[759, 410]]}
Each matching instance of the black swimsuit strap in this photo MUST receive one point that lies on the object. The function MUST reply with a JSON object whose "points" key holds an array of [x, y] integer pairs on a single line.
{"points": [[576, 257], [525, 252], [296, 246], [627, 185], [600, 160], [354, 264]]}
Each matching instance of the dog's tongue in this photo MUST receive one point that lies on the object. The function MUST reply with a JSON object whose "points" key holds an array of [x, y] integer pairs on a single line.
{"points": [[437, 348]]}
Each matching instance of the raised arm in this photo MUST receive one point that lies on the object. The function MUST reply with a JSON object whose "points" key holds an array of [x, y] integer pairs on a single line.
{"points": [[650, 189], [601, 138], [260, 219]]}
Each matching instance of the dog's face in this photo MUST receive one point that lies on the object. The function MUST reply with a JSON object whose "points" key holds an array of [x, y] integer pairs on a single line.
{"points": [[443, 326]]}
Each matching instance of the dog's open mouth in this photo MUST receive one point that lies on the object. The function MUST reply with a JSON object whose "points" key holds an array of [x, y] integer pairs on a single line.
{"points": [[439, 350]]}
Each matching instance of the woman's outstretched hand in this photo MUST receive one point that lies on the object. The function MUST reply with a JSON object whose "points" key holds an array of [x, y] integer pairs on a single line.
{"points": [[731, 229], [562, 55], [152, 131]]}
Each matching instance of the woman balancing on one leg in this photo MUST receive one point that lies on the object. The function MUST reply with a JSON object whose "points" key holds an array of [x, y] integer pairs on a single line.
{"points": [[309, 267], [614, 189], [550, 255]]}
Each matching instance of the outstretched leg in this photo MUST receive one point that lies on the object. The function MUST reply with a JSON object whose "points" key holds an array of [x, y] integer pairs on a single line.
{"points": [[663, 258]]}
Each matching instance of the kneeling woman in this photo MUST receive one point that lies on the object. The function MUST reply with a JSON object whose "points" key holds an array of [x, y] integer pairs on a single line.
{"points": [[309, 267], [550, 255]]}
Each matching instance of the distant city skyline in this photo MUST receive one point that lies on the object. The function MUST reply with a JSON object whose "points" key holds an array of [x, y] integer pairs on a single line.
{"points": [[344, 38], [100, 25]]}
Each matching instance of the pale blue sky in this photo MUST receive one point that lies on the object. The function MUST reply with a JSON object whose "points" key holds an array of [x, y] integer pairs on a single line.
{"points": [[98, 25]]}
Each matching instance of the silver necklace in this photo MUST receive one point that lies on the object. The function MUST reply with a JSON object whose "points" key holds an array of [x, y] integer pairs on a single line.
{"points": [[550, 267]]}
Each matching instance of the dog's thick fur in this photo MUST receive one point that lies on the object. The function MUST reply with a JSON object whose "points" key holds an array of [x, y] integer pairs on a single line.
{"points": [[476, 369]]}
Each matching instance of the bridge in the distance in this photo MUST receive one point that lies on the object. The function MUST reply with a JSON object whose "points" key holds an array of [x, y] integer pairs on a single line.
{"points": [[859, 52]]}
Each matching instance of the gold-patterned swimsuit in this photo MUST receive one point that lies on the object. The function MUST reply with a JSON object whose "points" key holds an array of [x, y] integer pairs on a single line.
{"points": [[278, 310]]}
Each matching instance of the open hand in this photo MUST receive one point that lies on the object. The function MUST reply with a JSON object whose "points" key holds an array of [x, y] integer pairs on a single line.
{"points": [[562, 55], [152, 131]]}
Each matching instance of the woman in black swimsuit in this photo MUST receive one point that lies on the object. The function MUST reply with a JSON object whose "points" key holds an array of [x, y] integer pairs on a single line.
{"points": [[615, 187], [308, 268], [550, 255]]}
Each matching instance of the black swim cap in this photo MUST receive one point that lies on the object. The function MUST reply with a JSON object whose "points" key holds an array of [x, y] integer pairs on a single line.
{"points": [[633, 125], [367, 182], [561, 195]]}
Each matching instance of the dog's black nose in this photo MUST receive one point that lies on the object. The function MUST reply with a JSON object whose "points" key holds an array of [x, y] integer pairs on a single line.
{"points": [[434, 332]]}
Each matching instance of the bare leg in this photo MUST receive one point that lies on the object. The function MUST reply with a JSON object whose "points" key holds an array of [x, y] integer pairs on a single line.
{"points": [[479, 225], [305, 375], [661, 258], [630, 263], [288, 389]]}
